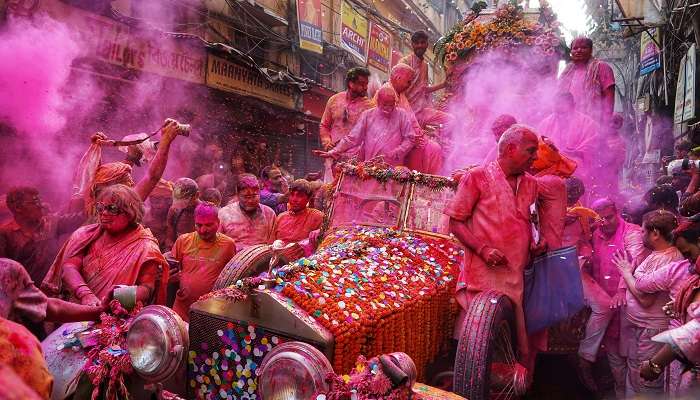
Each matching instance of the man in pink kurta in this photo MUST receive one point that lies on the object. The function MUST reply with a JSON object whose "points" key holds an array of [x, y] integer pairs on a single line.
{"points": [[385, 131], [418, 93], [343, 109], [427, 156], [590, 81], [499, 194], [601, 286], [644, 315]]}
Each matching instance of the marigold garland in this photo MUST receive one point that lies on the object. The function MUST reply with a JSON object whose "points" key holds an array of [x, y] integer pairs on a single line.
{"points": [[378, 291], [109, 362], [382, 172], [507, 31]]}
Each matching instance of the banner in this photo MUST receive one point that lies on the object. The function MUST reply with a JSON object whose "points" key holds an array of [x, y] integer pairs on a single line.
{"points": [[379, 52], [650, 54], [232, 77], [685, 88], [310, 32], [115, 43], [353, 34]]}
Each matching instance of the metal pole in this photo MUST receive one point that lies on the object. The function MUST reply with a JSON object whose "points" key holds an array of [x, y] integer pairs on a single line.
{"points": [[663, 64]]}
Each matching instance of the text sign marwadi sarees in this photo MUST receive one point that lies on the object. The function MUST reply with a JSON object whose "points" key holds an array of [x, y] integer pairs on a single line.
{"points": [[353, 34], [379, 53], [310, 31]]}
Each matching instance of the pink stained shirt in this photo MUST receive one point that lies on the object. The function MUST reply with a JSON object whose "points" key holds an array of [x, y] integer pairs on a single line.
{"points": [[247, 230], [416, 93], [341, 115], [652, 316], [668, 279], [487, 203], [587, 83], [376, 134], [551, 200], [628, 237]]}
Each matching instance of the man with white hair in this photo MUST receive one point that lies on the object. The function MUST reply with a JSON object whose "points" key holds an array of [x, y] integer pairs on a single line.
{"points": [[490, 197], [385, 130]]}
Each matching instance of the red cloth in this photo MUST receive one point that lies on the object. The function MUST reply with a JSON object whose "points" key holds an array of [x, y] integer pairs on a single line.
{"points": [[293, 227], [487, 203], [121, 263]]}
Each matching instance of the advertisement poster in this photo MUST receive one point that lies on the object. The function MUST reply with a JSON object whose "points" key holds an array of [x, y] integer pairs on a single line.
{"points": [[310, 31], [379, 53], [353, 34], [650, 56]]}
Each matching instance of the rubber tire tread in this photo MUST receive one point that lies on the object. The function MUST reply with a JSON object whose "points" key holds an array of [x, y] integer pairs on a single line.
{"points": [[243, 265], [476, 344]]}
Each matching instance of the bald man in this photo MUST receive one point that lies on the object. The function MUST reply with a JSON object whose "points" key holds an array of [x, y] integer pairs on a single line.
{"points": [[385, 130], [490, 197], [427, 156]]}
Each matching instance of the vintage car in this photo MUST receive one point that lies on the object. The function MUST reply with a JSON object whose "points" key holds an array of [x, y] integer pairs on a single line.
{"points": [[381, 281]]}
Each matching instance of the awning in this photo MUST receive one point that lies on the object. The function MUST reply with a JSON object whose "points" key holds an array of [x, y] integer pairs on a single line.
{"points": [[646, 12]]}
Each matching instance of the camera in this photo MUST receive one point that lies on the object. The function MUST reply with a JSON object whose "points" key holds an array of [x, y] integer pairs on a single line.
{"points": [[679, 166]]}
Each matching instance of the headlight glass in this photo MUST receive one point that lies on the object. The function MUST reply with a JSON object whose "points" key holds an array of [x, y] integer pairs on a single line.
{"points": [[147, 346], [293, 371]]}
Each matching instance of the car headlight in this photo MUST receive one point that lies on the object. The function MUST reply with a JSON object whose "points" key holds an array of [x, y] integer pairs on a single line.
{"points": [[293, 371], [157, 342]]}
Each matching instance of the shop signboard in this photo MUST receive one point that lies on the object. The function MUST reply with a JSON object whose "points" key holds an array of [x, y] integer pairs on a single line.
{"points": [[650, 56], [685, 88], [115, 43], [353, 33], [379, 53], [237, 78], [310, 31]]}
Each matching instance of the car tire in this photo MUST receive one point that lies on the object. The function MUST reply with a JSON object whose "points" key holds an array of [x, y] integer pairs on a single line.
{"points": [[252, 261], [488, 312]]}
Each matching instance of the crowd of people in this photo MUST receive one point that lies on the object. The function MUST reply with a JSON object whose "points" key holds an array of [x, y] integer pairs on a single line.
{"points": [[550, 185]]}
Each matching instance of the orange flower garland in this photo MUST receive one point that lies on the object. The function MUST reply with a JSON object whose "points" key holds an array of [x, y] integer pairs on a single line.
{"points": [[379, 291]]}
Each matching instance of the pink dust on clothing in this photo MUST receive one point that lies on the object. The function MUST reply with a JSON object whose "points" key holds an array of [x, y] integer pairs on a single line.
{"points": [[667, 279], [629, 238], [486, 202], [376, 134], [652, 317], [587, 83]]}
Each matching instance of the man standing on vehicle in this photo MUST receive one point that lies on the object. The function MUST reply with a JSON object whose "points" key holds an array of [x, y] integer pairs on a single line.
{"points": [[489, 198]]}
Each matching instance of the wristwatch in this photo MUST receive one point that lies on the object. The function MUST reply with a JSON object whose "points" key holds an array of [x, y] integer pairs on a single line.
{"points": [[655, 368]]}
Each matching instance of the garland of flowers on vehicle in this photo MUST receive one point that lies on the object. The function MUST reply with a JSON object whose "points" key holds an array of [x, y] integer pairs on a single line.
{"points": [[366, 381], [377, 290], [108, 362], [508, 30], [383, 172]]}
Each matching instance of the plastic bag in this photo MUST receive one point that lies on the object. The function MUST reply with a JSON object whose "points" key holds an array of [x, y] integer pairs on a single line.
{"points": [[85, 174], [553, 289]]}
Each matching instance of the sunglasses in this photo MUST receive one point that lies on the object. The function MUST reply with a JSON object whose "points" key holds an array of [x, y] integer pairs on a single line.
{"points": [[110, 209]]}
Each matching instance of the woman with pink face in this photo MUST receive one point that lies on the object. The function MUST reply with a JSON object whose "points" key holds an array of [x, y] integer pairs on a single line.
{"points": [[117, 250]]}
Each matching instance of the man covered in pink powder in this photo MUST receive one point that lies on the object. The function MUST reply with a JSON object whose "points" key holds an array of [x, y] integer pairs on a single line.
{"points": [[418, 93], [385, 131], [499, 194], [602, 291], [428, 155], [644, 317], [590, 81]]}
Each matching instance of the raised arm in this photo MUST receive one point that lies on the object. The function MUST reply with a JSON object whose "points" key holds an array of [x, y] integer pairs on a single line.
{"points": [[157, 166]]}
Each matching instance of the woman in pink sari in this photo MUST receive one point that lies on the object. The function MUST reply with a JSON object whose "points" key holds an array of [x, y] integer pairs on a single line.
{"points": [[116, 251]]}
